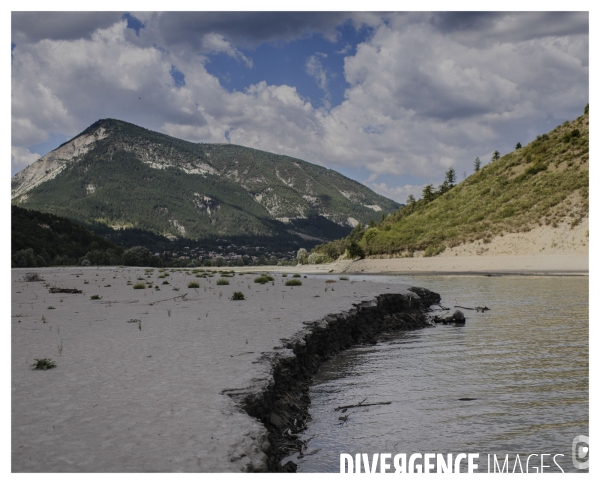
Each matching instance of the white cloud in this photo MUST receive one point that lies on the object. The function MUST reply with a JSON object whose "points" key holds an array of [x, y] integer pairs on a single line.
{"points": [[21, 158], [315, 69], [397, 193], [215, 44], [420, 99]]}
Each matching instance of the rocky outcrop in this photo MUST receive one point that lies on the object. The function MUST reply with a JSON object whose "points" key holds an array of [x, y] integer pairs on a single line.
{"points": [[49, 166], [281, 403]]}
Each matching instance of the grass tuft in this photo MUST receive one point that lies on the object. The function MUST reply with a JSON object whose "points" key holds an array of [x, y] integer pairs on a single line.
{"points": [[238, 296], [139, 285], [43, 364], [263, 279], [293, 282]]}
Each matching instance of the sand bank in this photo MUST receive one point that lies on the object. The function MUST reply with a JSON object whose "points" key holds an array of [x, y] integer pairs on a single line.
{"points": [[484, 264], [554, 264], [141, 382]]}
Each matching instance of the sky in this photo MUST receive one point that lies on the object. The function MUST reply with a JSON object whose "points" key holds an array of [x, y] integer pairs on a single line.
{"points": [[392, 100]]}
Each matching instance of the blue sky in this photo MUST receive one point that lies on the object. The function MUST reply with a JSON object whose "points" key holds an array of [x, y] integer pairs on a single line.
{"points": [[287, 63], [392, 100]]}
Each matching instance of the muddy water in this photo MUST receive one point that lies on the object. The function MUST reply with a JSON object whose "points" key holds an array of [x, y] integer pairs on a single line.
{"points": [[525, 363]]}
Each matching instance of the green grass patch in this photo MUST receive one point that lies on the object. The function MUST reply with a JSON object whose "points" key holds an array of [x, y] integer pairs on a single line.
{"points": [[263, 279], [139, 285], [293, 282]]}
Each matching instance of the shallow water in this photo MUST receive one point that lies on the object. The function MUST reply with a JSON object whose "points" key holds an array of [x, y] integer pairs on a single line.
{"points": [[525, 362]]}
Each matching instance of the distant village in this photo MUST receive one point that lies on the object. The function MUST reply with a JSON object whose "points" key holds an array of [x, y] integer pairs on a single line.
{"points": [[230, 255]]}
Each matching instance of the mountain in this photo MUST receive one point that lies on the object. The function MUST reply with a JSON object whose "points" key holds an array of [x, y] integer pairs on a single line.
{"points": [[122, 175], [41, 239], [542, 185]]}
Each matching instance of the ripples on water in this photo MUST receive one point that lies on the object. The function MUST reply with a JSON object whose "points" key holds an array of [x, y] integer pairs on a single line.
{"points": [[525, 361]]}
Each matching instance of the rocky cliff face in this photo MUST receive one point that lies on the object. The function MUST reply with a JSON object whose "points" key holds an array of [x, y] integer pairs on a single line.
{"points": [[49, 166]]}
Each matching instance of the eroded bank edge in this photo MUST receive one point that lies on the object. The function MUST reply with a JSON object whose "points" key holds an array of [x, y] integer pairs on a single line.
{"points": [[281, 402]]}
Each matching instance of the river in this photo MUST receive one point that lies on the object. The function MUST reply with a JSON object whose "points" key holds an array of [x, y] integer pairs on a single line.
{"points": [[524, 363]]}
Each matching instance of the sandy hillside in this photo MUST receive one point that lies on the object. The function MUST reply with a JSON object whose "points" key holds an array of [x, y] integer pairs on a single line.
{"points": [[541, 240], [139, 381]]}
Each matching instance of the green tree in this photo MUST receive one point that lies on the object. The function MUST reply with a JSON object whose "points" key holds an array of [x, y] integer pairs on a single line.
{"points": [[410, 201], [428, 194], [496, 155], [24, 258], [450, 177], [302, 256], [136, 256], [477, 164], [518, 146], [355, 251]]}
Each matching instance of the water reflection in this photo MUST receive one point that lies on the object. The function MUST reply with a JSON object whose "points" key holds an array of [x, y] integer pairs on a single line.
{"points": [[525, 362]]}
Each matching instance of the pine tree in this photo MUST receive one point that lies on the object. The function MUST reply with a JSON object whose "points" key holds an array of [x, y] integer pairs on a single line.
{"points": [[428, 193], [496, 155], [450, 177], [477, 164]]}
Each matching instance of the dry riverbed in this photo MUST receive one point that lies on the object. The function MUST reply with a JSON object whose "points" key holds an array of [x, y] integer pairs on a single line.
{"points": [[140, 374]]}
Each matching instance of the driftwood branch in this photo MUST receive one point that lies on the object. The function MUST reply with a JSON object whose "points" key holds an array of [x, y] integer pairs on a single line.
{"points": [[182, 296], [361, 404], [67, 291], [476, 308]]}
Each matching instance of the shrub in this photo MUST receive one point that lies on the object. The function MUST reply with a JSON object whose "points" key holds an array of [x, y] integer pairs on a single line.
{"points": [[355, 251], [43, 364], [297, 275], [165, 282], [432, 250], [139, 285], [264, 278], [222, 282], [330, 281], [293, 282], [316, 258], [95, 296], [283, 275], [238, 296], [193, 285], [343, 278], [32, 277]]}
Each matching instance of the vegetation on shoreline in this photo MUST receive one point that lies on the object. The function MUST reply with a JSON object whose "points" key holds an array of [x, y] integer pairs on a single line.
{"points": [[543, 183]]}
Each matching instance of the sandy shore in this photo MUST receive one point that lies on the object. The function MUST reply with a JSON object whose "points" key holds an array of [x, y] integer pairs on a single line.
{"points": [[146, 396], [554, 264], [515, 264]]}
